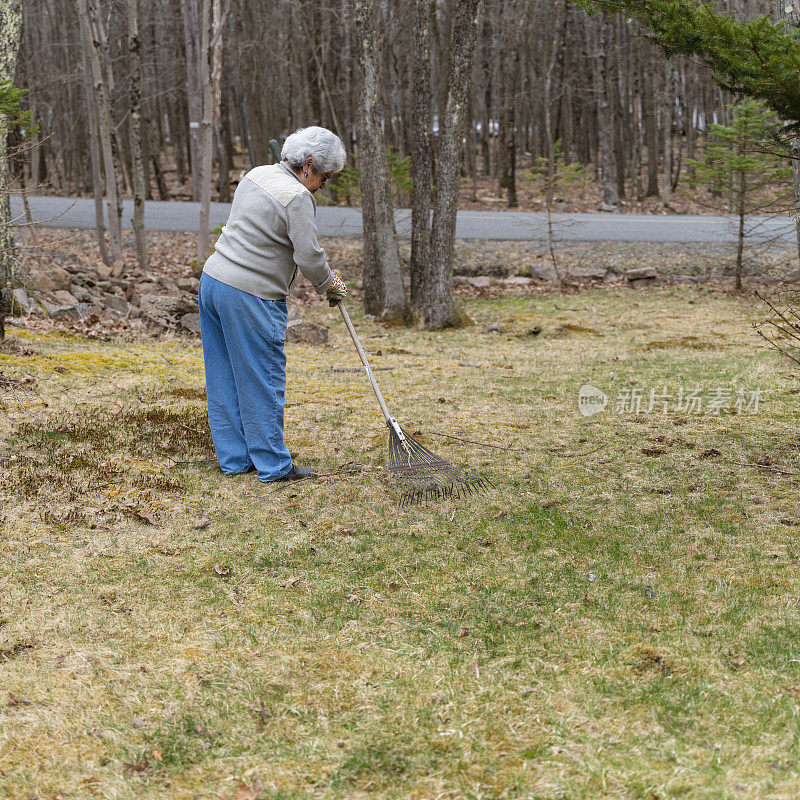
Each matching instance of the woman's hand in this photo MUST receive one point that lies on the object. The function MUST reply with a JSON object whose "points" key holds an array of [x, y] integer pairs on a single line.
{"points": [[337, 290]]}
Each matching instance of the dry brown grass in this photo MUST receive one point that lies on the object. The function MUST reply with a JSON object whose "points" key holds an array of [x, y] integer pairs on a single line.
{"points": [[617, 620]]}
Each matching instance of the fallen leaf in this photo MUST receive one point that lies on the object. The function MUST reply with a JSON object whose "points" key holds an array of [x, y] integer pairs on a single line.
{"points": [[738, 661], [13, 700], [485, 542], [291, 582], [201, 524], [499, 514], [354, 598], [157, 755], [142, 515], [710, 453], [252, 792], [221, 569], [792, 690]]}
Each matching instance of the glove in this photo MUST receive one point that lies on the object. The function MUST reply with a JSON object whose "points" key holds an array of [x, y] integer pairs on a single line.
{"points": [[336, 291]]}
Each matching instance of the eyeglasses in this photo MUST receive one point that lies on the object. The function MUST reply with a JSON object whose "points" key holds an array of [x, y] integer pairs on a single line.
{"points": [[326, 178]]}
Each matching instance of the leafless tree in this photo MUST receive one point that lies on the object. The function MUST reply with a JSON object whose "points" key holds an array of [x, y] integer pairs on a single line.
{"points": [[134, 47], [383, 281], [10, 25]]}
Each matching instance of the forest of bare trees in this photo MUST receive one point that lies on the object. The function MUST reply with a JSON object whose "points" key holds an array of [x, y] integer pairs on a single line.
{"points": [[541, 71]]}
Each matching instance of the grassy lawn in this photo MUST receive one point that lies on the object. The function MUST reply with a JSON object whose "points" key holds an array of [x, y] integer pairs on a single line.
{"points": [[618, 618]]}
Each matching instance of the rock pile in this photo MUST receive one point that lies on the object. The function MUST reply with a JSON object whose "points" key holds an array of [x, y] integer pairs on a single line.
{"points": [[79, 293]]}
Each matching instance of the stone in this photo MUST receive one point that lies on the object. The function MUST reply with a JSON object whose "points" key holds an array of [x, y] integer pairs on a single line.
{"points": [[308, 332], [188, 284], [544, 273], [589, 273], [75, 311], [21, 302], [65, 298], [494, 329], [115, 302], [517, 280], [102, 269], [641, 274], [460, 280], [51, 278], [81, 293], [480, 282], [136, 291], [168, 285], [167, 304], [607, 208], [190, 322], [44, 307], [792, 276], [165, 311]]}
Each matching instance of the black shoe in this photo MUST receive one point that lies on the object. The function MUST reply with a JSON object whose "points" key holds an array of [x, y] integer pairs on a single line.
{"points": [[298, 473]]}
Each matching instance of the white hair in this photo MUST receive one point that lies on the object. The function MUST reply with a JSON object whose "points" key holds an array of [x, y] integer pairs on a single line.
{"points": [[325, 148]]}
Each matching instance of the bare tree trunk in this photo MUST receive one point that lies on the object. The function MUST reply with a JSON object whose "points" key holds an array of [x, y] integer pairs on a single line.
{"points": [[649, 93], [550, 143], [10, 31], [421, 160], [440, 308], [668, 114], [791, 13], [383, 280], [605, 118], [212, 20], [94, 38], [741, 210], [511, 126], [94, 151], [222, 136], [134, 45], [194, 87]]}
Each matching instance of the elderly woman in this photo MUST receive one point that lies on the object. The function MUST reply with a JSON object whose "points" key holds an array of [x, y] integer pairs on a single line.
{"points": [[270, 234]]}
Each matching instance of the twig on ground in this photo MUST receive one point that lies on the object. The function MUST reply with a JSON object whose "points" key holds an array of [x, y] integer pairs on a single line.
{"points": [[766, 467], [374, 369], [480, 444], [574, 455]]}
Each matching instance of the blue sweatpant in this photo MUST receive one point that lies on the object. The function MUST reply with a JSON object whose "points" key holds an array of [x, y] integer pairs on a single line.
{"points": [[245, 365]]}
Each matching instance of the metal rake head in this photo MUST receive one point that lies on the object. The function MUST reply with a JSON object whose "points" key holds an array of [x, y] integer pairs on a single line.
{"points": [[422, 475]]}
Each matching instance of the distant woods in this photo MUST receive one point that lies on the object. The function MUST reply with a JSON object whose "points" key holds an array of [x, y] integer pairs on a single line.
{"points": [[542, 71]]}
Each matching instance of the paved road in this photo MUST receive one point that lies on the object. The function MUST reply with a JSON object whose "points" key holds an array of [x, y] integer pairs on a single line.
{"points": [[499, 225]]}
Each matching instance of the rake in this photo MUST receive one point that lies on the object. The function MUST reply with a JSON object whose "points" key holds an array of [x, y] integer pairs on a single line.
{"points": [[420, 474]]}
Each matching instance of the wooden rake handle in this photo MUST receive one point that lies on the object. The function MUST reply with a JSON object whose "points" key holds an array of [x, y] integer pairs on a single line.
{"points": [[363, 356]]}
